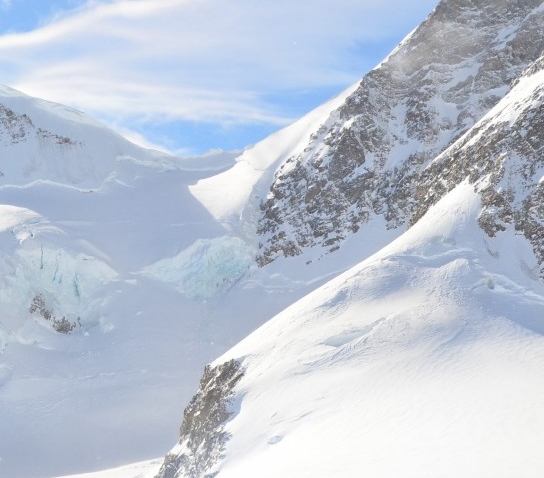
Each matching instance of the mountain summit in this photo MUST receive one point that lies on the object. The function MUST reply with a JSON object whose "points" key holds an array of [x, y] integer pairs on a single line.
{"points": [[426, 358], [367, 157]]}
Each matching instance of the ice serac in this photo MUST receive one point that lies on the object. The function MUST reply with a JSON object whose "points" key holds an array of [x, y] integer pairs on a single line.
{"points": [[366, 159]]}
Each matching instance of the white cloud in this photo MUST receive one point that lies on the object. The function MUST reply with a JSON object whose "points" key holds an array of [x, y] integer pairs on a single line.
{"points": [[200, 60]]}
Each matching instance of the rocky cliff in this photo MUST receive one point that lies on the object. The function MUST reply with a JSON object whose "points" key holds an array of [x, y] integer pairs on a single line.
{"points": [[368, 158]]}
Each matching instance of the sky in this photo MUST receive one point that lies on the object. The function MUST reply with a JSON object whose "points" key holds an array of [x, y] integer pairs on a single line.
{"points": [[189, 76]]}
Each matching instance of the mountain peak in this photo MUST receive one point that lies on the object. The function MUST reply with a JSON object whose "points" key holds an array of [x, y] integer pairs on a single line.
{"points": [[367, 158]]}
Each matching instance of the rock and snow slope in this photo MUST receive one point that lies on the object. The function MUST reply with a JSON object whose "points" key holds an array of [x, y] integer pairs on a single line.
{"points": [[363, 154], [503, 156], [424, 360]]}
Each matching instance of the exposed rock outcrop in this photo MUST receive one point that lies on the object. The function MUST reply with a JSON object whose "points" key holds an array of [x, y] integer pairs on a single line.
{"points": [[202, 433]]}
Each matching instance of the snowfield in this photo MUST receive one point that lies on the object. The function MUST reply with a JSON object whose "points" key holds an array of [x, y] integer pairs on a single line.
{"points": [[144, 469]]}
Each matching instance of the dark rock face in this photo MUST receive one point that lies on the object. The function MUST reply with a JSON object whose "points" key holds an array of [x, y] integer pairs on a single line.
{"points": [[367, 159], [202, 435], [13, 127], [60, 324], [503, 156]]}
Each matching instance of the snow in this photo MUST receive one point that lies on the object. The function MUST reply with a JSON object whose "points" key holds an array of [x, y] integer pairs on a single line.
{"points": [[425, 359], [11, 216], [144, 469]]}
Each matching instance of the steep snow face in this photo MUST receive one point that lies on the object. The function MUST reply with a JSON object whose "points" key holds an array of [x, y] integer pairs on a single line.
{"points": [[425, 359], [503, 156], [366, 158], [46, 141], [227, 195]]}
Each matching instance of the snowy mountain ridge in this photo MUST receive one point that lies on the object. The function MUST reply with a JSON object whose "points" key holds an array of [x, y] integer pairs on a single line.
{"points": [[45, 141]]}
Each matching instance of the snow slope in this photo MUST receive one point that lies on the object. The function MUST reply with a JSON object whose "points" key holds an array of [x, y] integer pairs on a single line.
{"points": [[144, 469], [424, 360]]}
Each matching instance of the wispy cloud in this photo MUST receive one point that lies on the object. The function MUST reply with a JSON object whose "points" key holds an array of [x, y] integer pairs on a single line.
{"points": [[213, 61]]}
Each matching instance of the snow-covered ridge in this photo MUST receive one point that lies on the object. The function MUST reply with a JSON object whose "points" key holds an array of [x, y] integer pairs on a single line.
{"points": [[46, 141]]}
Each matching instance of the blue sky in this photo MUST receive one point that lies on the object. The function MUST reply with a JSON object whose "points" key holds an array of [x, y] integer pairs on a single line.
{"points": [[192, 75]]}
